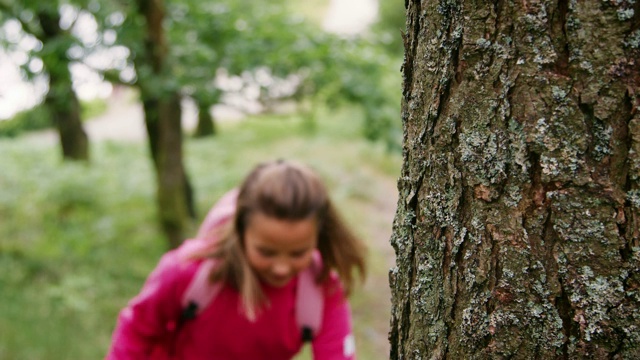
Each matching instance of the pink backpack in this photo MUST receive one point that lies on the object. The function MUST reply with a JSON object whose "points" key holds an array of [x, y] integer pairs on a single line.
{"points": [[200, 292]]}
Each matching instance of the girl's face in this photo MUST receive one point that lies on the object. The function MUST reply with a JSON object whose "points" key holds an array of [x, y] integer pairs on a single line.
{"points": [[278, 250]]}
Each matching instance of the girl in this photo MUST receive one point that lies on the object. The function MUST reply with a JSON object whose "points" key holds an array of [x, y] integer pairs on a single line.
{"points": [[262, 236]]}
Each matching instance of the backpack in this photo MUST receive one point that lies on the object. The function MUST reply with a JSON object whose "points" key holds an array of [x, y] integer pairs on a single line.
{"points": [[200, 292]]}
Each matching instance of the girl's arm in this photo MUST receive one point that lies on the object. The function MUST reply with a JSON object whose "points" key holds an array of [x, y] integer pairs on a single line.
{"points": [[335, 340], [146, 321]]}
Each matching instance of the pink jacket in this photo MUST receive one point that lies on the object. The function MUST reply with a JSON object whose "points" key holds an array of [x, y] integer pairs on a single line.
{"points": [[146, 327]]}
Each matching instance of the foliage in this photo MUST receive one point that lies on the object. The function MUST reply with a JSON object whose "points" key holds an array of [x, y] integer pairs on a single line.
{"points": [[265, 53], [93, 108], [80, 42], [77, 241], [38, 118], [272, 52], [390, 24], [355, 71], [53, 44], [71, 45]]}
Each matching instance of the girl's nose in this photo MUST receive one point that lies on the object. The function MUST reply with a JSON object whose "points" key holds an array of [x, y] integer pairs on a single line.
{"points": [[281, 268]]}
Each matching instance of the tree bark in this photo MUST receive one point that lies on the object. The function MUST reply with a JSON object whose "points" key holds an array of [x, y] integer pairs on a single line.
{"points": [[517, 230], [64, 108], [161, 102], [61, 100], [174, 194]]}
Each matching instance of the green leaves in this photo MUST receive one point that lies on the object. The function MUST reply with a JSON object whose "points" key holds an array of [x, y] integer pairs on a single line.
{"points": [[238, 37]]}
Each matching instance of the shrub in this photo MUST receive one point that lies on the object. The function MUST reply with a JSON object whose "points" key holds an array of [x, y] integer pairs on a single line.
{"points": [[39, 118], [36, 118]]}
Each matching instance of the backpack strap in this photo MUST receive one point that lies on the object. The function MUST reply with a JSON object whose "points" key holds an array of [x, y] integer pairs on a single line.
{"points": [[200, 291], [310, 300], [309, 296], [220, 213]]}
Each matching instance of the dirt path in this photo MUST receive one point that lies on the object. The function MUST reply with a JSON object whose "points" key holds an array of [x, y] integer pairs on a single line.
{"points": [[124, 120], [372, 304]]}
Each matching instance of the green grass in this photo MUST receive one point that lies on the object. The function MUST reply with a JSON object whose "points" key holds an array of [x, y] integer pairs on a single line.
{"points": [[77, 241]]}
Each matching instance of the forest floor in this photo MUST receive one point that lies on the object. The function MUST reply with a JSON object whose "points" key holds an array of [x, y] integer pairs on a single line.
{"points": [[382, 210]]}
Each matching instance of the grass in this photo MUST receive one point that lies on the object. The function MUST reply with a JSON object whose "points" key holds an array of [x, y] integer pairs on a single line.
{"points": [[77, 241]]}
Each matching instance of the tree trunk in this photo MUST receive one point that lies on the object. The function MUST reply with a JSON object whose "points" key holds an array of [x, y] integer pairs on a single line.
{"points": [[61, 100], [175, 195], [517, 230], [64, 108], [161, 103], [206, 124]]}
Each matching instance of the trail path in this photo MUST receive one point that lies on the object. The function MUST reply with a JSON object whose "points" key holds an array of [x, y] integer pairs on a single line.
{"points": [[377, 308], [124, 120]]}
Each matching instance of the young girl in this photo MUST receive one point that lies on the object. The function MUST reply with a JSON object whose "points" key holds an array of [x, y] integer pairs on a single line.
{"points": [[262, 236]]}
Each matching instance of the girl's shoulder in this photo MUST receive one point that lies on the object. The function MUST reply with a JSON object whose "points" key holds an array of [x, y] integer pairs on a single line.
{"points": [[176, 266]]}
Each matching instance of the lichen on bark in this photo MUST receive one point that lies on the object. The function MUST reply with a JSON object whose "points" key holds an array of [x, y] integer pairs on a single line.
{"points": [[517, 230]]}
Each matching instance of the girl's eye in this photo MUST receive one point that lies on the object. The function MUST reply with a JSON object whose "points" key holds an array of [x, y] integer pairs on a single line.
{"points": [[299, 254], [266, 252]]}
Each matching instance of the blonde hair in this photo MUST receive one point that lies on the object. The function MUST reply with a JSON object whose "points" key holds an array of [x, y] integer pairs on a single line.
{"points": [[289, 191]]}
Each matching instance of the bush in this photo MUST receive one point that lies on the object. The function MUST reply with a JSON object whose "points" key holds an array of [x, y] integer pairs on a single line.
{"points": [[92, 108], [39, 118], [36, 118]]}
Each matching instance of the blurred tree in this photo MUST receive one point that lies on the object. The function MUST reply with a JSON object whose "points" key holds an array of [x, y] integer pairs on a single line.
{"points": [[141, 27], [206, 123], [259, 44], [43, 22], [161, 97], [270, 48], [517, 233], [253, 43]]}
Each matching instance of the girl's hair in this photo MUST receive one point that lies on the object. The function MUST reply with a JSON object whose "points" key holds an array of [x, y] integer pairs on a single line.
{"points": [[288, 191]]}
